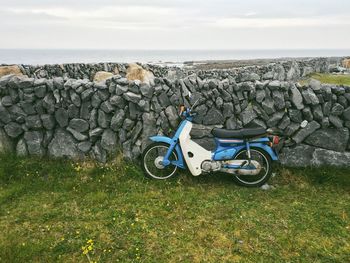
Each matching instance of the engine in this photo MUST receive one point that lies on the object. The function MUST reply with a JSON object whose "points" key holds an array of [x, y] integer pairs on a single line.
{"points": [[210, 166]]}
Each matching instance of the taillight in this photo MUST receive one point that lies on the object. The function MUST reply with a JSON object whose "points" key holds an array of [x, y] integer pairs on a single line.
{"points": [[275, 140]]}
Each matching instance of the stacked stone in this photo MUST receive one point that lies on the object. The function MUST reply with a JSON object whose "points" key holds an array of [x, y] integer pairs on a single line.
{"points": [[288, 70], [78, 118]]}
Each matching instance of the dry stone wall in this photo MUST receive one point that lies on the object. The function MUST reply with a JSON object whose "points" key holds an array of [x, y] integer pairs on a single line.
{"points": [[77, 118]]}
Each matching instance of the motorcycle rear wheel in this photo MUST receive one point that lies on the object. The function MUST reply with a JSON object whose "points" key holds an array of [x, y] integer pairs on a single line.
{"points": [[152, 158], [255, 180]]}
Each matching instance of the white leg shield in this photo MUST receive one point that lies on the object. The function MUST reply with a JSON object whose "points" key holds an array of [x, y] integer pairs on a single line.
{"points": [[194, 154]]}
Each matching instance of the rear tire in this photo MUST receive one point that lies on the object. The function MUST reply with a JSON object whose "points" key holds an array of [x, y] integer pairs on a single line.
{"points": [[260, 179], [152, 158]]}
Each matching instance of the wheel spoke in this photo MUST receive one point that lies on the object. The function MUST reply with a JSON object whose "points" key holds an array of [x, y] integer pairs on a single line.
{"points": [[152, 162]]}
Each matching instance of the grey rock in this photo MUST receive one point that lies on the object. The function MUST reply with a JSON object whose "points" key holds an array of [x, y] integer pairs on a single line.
{"points": [[260, 95], [117, 120], [232, 123], [63, 145], [275, 118], [136, 132], [73, 111], [308, 114], [85, 110], [99, 153], [149, 128], [6, 144], [109, 141], [107, 107], [21, 148], [337, 109], [27, 107], [292, 128], [295, 115], [120, 90], [75, 98], [322, 157], [268, 105], [315, 85], [299, 156], [61, 116], [49, 103], [84, 146], [227, 109], [336, 121], [317, 112], [40, 91], [331, 139], [246, 116], [256, 123], [95, 100], [278, 99], [172, 115], [163, 100], [144, 105], [284, 122], [86, 94], [327, 106], [346, 114], [6, 101], [275, 84], [13, 129], [294, 72], [128, 124], [310, 97], [79, 125], [34, 141], [33, 122], [296, 97], [77, 135], [132, 97], [103, 119], [95, 132], [303, 133], [325, 122], [4, 115], [48, 121], [268, 75], [117, 101]]}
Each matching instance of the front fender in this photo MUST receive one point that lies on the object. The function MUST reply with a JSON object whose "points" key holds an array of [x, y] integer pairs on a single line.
{"points": [[267, 149], [180, 163]]}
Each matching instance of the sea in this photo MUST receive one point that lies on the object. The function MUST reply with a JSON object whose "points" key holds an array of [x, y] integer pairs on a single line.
{"points": [[59, 56]]}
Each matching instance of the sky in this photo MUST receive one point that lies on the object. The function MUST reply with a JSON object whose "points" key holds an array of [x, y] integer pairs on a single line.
{"points": [[175, 24]]}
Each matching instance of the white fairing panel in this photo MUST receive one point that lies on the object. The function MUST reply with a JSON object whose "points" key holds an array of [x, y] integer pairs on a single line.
{"points": [[194, 154]]}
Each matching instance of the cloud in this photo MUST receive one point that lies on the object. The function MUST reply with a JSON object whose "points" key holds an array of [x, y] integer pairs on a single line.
{"points": [[170, 23], [282, 22]]}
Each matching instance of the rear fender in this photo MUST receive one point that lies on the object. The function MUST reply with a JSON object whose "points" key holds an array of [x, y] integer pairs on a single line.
{"points": [[180, 162], [267, 149]]}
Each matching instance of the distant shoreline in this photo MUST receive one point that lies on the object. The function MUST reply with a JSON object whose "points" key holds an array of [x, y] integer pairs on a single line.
{"points": [[160, 57]]}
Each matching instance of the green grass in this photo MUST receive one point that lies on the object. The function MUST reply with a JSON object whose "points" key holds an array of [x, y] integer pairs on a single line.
{"points": [[50, 209], [329, 79]]}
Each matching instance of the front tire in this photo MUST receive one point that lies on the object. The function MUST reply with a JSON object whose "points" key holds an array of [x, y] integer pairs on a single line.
{"points": [[255, 180], [152, 158]]}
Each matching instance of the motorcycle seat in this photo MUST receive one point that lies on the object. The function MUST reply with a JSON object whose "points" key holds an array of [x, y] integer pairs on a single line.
{"points": [[245, 133]]}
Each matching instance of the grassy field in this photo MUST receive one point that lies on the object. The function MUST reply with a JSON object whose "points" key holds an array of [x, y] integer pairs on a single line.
{"points": [[61, 211], [330, 78]]}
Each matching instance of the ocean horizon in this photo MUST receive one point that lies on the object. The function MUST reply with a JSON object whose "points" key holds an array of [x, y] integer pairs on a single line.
{"points": [[59, 56]]}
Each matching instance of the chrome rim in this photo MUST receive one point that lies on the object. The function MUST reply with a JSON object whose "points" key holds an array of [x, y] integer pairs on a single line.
{"points": [[153, 162], [261, 159]]}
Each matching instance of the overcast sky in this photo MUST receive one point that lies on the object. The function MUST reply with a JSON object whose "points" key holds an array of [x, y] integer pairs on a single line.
{"points": [[175, 24]]}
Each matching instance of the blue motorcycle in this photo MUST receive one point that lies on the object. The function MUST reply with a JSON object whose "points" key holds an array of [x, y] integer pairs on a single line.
{"points": [[247, 153]]}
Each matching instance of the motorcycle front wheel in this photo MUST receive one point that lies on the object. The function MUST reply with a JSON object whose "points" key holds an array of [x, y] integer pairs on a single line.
{"points": [[265, 173], [152, 159]]}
